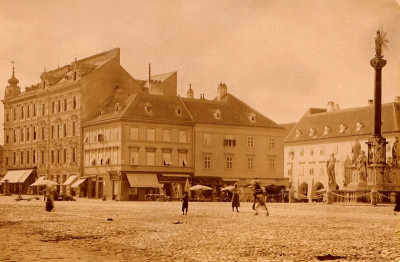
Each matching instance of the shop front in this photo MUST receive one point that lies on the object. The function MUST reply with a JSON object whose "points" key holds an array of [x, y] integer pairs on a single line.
{"points": [[19, 181], [173, 185], [142, 184]]}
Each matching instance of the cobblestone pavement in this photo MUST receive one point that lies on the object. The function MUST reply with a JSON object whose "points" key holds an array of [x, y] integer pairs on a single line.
{"points": [[156, 231]]}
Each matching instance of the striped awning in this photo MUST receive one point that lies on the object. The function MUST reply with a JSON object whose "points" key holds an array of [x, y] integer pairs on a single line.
{"points": [[143, 180], [69, 180], [16, 176]]}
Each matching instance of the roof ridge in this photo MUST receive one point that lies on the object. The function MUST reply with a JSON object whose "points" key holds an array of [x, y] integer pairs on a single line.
{"points": [[187, 109]]}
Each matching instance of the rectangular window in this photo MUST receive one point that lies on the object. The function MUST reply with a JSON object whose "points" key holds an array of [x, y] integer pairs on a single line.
{"points": [[74, 102], [311, 152], [108, 134], [115, 156], [65, 130], [15, 136], [151, 134], [28, 133], [42, 158], [52, 156], [150, 155], [58, 156], [15, 158], [7, 139], [167, 158], [43, 109], [167, 135], [271, 143], [21, 160], [229, 162], [15, 114], [34, 109], [59, 106], [250, 141], [134, 157], [34, 157], [22, 112], [6, 161], [53, 108], [229, 142], [182, 158], [311, 171], [207, 162], [272, 164], [65, 104], [8, 117], [22, 134], [133, 133], [28, 158], [52, 132], [43, 132], [34, 132], [250, 163], [301, 151], [73, 128], [182, 136], [115, 133], [58, 131], [73, 155], [28, 111], [65, 155], [207, 139]]}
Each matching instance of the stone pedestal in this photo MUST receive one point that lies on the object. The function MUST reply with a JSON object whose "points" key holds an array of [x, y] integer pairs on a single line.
{"points": [[374, 197], [291, 196], [329, 197]]}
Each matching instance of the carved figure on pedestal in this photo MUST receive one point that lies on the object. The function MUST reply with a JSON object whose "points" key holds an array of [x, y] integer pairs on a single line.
{"points": [[395, 152], [355, 151], [362, 167], [380, 41], [330, 168]]}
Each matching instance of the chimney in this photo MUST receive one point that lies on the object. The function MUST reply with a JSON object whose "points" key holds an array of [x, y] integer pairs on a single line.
{"points": [[337, 107], [370, 102], [222, 91], [190, 93], [330, 107], [397, 99]]}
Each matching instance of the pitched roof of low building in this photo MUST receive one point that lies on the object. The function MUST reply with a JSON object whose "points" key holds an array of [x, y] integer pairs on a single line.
{"points": [[228, 111], [320, 124]]}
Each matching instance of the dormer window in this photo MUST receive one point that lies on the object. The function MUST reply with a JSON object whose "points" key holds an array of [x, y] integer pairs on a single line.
{"points": [[360, 125], [327, 129], [217, 114], [100, 112], [148, 108], [252, 117], [178, 111], [313, 131], [298, 132], [343, 128], [117, 107]]}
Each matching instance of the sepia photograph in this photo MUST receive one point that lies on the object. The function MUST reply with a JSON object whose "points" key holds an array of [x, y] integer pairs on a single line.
{"points": [[214, 130]]}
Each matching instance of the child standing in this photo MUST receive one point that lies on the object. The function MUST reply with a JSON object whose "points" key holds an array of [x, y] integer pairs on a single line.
{"points": [[185, 203]]}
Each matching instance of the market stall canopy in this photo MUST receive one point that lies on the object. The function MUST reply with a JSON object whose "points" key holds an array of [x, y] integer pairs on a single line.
{"points": [[45, 182], [227, 188], [16, 176], [38, 181], [200, 187], [77, 183], [143, 180], [69, 180]]}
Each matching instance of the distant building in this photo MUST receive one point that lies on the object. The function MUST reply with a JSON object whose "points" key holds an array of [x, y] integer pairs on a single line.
{"points": [[325, 131]]}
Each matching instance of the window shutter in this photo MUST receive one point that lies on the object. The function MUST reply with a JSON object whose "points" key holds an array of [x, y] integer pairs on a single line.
{"points": [[234, 142]]}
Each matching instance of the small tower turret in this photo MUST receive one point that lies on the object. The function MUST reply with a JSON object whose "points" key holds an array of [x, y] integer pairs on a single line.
{"points": [[190, 93], [12, 90]]}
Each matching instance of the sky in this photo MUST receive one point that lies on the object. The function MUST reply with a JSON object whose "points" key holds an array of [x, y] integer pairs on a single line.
{"points": [[280, 57]]}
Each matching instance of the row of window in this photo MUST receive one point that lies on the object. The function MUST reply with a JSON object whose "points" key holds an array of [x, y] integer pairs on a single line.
{"points": [[38, 157], [231, 142], [229, 162], [32, 133], [151, 135], [28, 111], [106, 156]]}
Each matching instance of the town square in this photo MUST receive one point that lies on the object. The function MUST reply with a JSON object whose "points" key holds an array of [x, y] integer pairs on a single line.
{"points": [[200, 130]]}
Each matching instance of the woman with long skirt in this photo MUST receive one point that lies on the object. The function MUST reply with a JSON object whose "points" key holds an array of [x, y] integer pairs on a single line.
{"points": [[235, 198]]}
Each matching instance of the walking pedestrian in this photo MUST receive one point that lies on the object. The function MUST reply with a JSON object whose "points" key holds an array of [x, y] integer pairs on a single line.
{"points": [[261, 202], [185, 203], [397, 207], [235, 198], [257, 191], [49, 202]]}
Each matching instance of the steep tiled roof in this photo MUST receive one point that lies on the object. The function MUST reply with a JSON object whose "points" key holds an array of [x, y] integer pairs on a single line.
{"points": [[319, 124], [231, 110]]}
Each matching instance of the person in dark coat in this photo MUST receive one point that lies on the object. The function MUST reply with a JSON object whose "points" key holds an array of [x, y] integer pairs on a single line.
{"points": [[257, 191], [397, 207], [261, 203], [185, 203], [235, 198]]}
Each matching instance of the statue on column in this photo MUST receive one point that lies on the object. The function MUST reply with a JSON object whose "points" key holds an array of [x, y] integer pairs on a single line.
{"points": [[395, 152], [380, 41], [330, 168], [355, 151], [362, 167]]}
